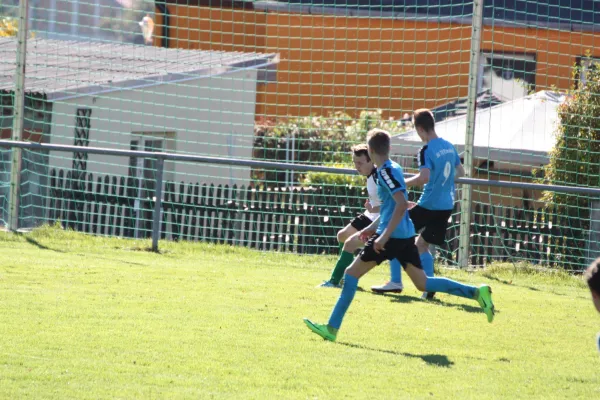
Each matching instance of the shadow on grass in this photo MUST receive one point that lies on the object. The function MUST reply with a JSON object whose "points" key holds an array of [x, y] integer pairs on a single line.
{"points": [[39, 245], [509, 283], [438, 360], [34, 242], [92, 256], [398, 298]]}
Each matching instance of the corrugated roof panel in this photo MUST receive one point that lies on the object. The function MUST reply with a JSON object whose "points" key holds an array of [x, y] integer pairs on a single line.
{"points": [[55, 66]]}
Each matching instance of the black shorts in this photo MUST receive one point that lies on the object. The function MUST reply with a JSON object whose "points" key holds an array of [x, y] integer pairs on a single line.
{"points": [[404, 250], [433, 223], [360, 222]]}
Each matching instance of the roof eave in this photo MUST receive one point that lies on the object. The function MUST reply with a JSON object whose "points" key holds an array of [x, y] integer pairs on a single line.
{"points": [[265, 64]]}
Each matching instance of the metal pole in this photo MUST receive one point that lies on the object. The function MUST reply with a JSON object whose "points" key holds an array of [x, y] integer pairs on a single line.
{"points": [[293, 156], [287, 160], [279, 165], [465, 203], [160, 163], [18, 111]]}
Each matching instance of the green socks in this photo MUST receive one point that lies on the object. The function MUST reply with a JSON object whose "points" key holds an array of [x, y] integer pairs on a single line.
{"points": [[340, 267]]}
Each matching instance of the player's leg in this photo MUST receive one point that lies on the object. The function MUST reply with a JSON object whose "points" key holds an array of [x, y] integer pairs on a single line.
{"points": [[347, 252], [347, 231], [366, 261], [344, 259], [434, 226], [483, 294], [426, 261], [425, 255], [394, 285]]}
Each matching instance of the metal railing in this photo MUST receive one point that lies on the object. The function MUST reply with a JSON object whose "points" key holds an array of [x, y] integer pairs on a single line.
{"points": [[162, 156]]}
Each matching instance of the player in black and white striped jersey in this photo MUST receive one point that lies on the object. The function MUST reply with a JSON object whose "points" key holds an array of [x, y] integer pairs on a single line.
{"points": [[348, 237]]}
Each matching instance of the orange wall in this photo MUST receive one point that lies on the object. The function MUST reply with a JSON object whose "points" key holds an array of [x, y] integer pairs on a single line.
{"points": [[211, 28], [334, 63]]}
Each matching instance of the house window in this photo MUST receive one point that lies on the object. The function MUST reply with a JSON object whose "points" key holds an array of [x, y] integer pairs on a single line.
{"points": [[587, 64], [507, 76], [143, 169]]}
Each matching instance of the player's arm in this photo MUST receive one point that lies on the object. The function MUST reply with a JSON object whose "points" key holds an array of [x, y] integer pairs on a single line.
{"points": [[374, 225], [366, 233], [460, 171], [422, 177], [459, 168], [374, 210]]}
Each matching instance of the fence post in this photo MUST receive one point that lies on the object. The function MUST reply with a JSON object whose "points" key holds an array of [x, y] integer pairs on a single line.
{"points": [[465, 204], [160, 163], [593, 244], [19, 109]]}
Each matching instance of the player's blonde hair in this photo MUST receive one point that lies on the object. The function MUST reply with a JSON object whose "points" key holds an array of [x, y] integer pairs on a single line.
{"points": [[423, 118], [379, 141]]}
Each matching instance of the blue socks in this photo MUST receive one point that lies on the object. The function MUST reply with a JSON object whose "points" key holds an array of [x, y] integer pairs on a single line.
{"points": [[444, 285], [427, 263], [449, 286], [346, 297], [395, 271]]}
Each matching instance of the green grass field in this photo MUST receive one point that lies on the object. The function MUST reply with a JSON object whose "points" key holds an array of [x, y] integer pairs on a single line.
{"points": [[88, 317]]}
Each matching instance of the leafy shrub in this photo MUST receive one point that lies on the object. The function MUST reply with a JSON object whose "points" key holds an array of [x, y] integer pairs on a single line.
{"points": [[327, 179], [575, 158], [315, 140]]}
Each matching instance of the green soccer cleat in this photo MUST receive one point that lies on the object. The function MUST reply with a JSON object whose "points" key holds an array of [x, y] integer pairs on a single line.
{"points": [[322, 330], [484, 298]]}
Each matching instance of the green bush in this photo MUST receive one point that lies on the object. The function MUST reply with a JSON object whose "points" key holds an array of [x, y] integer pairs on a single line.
{"points": [[316, 140], [575, 159], [326, 179]]}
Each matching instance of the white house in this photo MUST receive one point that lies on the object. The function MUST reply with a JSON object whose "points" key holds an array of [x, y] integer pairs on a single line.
{"points": [[511, 140], [127, 96], [517, 134]]}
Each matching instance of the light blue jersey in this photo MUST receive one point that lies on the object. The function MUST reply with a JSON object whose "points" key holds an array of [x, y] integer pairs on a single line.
{"points": [[441, 158], [390, 180]]}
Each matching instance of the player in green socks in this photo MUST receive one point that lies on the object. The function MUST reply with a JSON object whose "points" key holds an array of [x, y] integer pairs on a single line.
{"points": [[348, 236], [394, 239]]}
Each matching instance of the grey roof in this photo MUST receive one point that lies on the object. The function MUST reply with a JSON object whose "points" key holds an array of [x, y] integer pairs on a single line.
{"points": [[64, 69], [521, 131]]}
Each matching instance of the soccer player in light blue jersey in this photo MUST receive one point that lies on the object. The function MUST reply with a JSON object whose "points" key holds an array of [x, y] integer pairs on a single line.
{"points": [[439, 165], [394, 238], [349, 235]]}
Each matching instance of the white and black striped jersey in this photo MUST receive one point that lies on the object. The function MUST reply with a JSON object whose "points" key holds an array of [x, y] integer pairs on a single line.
{"points": [[374, 199]]}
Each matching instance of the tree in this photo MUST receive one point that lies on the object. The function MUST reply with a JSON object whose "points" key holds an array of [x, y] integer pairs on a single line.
{"points": [[8, 26], [575, 158]]}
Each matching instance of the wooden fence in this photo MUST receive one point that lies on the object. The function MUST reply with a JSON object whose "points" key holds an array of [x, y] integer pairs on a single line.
{"points": [[303, 220]]}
